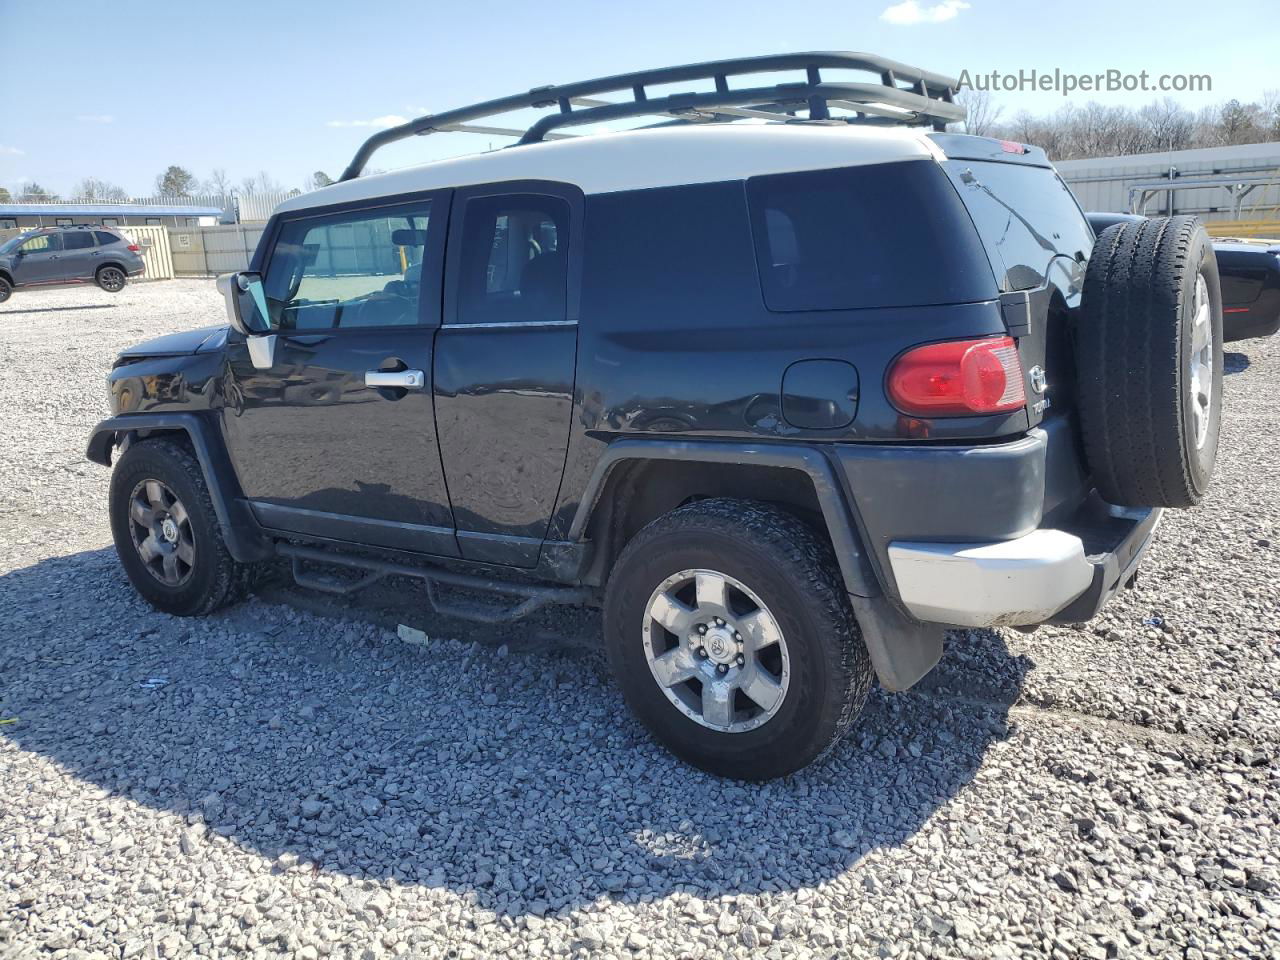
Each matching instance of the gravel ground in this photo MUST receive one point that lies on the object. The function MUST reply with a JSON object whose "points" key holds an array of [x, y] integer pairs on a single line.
{"points": [[290, 777]]}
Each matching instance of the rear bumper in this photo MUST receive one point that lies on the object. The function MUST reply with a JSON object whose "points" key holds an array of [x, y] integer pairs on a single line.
{"points": [[1060, 575]]}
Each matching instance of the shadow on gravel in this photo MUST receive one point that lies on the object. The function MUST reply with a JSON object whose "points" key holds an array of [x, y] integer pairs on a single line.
{"points": [[87, 306], [515, 776], [1235, 362]]}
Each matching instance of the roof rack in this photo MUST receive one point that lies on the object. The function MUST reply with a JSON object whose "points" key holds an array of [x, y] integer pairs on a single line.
{"points": [[900, 95]]}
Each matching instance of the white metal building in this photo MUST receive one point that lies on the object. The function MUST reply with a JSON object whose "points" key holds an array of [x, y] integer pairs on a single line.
{"points": [[26, 215], [1235, 186]]}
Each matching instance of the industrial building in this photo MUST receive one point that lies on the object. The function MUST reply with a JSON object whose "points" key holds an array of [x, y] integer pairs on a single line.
{"points": [[1235, 190], [23, 216]]}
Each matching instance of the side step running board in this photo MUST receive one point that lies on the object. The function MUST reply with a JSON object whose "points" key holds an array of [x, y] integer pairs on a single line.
{"points": [[530, 596]]}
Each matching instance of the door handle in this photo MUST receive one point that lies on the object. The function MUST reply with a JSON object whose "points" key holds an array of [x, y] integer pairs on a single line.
{"points": [[406, 379]]}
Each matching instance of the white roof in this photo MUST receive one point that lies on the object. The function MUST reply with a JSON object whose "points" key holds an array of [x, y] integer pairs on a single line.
{"points": [[641, 159]]}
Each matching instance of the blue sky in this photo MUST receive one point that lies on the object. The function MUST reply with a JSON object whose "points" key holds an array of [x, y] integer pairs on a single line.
{"points": [[290, 88]]}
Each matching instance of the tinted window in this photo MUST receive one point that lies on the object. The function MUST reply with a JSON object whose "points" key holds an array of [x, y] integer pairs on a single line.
{"points": [[44, 243], [1025, 216], [360, 269], [883, 235], [105, 238], [80, 240], [514, 265]]}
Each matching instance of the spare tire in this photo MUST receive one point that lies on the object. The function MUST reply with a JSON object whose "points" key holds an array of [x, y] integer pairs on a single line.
{"points": [[1149, 362]]}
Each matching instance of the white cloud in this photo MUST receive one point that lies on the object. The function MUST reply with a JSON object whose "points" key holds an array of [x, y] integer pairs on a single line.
{"points": [[910, 12], [96, 118], [390, 120], [10, 151]]}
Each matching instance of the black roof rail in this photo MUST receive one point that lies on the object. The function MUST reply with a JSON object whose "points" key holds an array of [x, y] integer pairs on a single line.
{"points": [[899, 95]]}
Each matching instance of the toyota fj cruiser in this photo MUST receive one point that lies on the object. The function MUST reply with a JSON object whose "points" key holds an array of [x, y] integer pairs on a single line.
{"points": [[789, 383]]}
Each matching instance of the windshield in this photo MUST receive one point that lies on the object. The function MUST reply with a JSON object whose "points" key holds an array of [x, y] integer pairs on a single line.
{"points": [[12, 243]]}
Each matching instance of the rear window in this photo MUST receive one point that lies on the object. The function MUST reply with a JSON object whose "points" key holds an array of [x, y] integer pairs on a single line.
{"points": [[882, 235], [1025, 215], [105, 238]]}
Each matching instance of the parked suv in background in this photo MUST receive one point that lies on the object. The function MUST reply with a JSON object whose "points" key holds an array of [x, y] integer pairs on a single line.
{"points": [[51, 256], [787, 399]]}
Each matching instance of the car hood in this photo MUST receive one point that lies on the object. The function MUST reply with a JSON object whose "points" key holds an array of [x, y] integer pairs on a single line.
{"points": [[182, 344]]}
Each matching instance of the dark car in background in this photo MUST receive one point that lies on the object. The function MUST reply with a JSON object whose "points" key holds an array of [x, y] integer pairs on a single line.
{"points": [[52, 256], [1250, 273]]}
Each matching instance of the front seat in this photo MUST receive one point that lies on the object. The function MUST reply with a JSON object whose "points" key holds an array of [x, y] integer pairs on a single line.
{"points": [[542, 287]]}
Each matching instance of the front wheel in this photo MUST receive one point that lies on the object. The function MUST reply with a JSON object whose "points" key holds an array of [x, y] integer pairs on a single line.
{"points": [[6, 288], [110, 279], [730, 633], [166, 532]]}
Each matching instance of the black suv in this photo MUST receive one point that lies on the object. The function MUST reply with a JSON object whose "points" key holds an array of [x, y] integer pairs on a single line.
{"points": [[787, 398], [51, 256]]}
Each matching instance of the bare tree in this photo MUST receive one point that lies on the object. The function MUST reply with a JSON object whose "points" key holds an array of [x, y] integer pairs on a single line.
{"points": [[981, 113], [262, 183], [319, 179], [219, 183], [1169, 126], [93, 188]]}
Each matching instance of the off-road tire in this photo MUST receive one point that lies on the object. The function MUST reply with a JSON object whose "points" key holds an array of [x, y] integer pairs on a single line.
{"points": [[110, 278], [1133, 350], [6, 289], [216, 579], [794, 571]]}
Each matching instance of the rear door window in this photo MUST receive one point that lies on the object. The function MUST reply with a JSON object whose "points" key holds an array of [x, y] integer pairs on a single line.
{"points": [[1025, 216], [880, 235], [514, 263], [79, 240]]}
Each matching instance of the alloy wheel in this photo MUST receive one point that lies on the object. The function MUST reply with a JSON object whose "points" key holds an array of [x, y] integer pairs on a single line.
{"points": [[1200, 372], [161, 531], [716, 650]]}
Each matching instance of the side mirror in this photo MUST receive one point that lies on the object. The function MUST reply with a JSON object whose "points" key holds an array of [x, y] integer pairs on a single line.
{"points": [[247, 311]]}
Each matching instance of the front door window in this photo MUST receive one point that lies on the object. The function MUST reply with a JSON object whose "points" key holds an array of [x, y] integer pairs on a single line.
{"points": [[349, 270]]}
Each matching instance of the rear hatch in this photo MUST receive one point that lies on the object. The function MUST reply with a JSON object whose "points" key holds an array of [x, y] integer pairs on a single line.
{"points": [[1038, 242]]}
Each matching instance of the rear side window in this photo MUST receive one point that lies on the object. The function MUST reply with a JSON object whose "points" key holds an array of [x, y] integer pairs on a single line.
{"points": [[882, 235], [105, 238], [1025, 215], [80, 240], [514, 260]]}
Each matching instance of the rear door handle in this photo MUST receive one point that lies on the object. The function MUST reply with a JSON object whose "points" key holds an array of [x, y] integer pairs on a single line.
{"points": [[407, 379]]}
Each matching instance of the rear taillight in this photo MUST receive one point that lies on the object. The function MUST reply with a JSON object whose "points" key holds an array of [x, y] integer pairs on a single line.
{"points": [[959, 378], [134, 247]]}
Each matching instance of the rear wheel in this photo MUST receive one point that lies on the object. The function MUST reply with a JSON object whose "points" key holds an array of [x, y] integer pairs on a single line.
{"points": [[110, 279], [6, 288], [730, 633], [166, 532]]}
